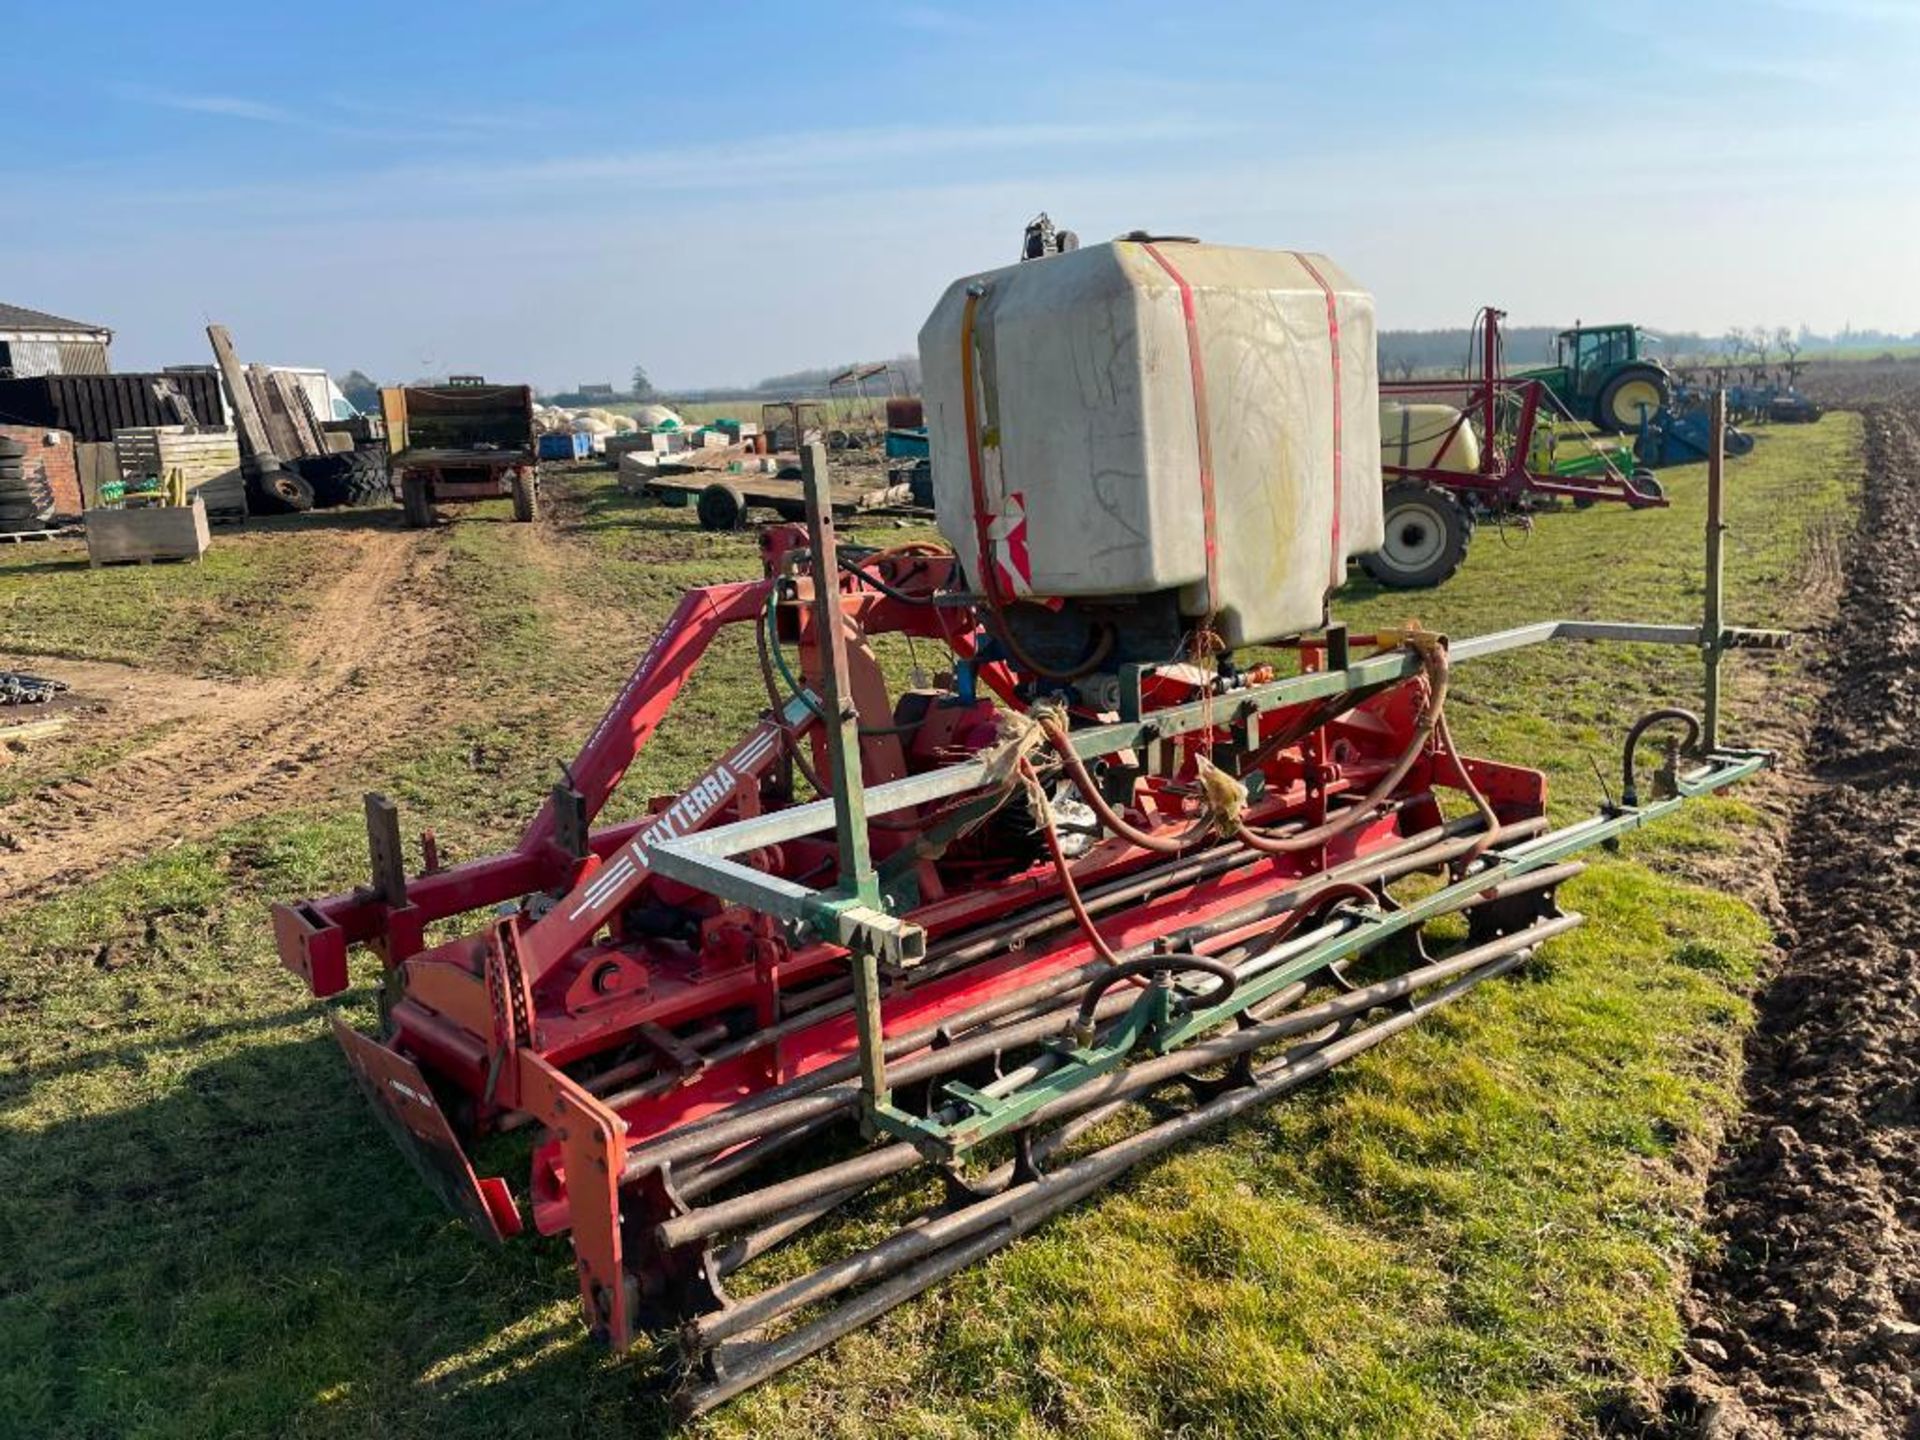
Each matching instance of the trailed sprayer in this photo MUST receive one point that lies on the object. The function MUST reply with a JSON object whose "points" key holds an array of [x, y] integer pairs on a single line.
{"points": [[918, 946]]}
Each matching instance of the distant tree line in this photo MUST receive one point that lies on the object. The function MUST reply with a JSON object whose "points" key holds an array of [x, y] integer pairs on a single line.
{"points": [[1403, 353], [1406, 353]]}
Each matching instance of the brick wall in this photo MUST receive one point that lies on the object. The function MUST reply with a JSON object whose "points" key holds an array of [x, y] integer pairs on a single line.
{"points": [[52, 449]]}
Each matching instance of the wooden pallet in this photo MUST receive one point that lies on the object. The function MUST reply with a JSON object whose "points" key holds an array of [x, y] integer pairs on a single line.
{"points": [[208, 460], [58, 532]]}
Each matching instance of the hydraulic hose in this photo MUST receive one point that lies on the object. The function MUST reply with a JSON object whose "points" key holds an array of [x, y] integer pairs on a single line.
{"points": [[1670, 715], [1068, 886], [1434, 664], [1111, 818], [789, 741]]}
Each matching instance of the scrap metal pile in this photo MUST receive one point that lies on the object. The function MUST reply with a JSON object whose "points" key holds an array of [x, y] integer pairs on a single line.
{"points": [[1084, 867], [19, 688]]}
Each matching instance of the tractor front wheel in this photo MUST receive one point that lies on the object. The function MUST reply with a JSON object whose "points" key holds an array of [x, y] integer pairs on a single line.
{"points": [[1629, 397], [1426, 538]]}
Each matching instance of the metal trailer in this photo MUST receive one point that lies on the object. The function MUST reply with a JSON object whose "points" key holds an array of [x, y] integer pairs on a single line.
{"points": [[724, 500], [1518, 426], [997, 926], [457, 443]]}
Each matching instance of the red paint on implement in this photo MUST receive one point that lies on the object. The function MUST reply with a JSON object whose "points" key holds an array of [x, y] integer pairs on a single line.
{"points": [[1337, 573], [1200, 423]]}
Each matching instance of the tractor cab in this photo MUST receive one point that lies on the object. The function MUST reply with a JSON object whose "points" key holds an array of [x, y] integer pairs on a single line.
{"points": [[1590, 353], [1604, 375]]}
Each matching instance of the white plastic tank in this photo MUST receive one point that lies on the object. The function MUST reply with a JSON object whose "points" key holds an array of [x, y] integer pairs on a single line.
{"points": [[1425, 435], [1092, 370]]}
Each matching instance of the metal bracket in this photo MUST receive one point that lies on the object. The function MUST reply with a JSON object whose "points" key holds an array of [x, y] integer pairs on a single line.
{"points": [[570, 820]]}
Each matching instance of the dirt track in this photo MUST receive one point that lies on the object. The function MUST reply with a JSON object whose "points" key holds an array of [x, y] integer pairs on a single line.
{"points": [[1809, 1324], [231, 750]]}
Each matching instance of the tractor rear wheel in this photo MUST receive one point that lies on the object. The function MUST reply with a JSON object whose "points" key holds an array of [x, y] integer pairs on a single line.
{"points": [[526, 501], [1426, 538], [1630, 396], [367, 482]]}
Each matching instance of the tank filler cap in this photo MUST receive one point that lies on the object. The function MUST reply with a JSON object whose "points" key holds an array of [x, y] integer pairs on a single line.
{"points": [[1147, 237]]}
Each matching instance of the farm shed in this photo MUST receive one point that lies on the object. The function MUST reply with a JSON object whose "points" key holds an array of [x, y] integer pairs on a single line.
{"points": [[33, 342]]}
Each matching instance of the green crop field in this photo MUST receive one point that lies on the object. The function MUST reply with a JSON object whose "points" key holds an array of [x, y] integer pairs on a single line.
{"points": [[1478, 1229]]}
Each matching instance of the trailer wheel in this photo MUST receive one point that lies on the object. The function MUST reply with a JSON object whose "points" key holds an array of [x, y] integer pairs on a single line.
{"points": [[526, 500], [721, 507], [1426, 539], [415, 501], [1625, 397], [280, 492]]}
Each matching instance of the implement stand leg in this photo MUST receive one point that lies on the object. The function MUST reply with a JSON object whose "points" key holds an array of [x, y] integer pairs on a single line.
{"points": [[873, 1050], [1710, 624], [857, 877]]}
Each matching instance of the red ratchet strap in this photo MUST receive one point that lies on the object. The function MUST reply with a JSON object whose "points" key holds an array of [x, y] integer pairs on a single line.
{"points": [[976, 476], [1200, 425], [1333, 345]]}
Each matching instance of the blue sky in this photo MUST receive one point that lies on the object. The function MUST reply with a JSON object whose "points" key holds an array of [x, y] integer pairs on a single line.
{"points": [[554, 192]]}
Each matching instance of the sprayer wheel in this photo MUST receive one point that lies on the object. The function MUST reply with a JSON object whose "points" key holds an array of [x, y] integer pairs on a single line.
{"points": [[1426, 539]]}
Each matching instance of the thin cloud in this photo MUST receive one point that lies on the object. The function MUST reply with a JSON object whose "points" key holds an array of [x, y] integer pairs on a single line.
{"points": [[232, 106], [1879, 12], [934, 21], [422, 130], [774, 156]]}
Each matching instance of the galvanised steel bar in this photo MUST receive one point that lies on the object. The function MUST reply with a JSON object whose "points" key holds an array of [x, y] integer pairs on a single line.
{"points": [[992, 1223]]}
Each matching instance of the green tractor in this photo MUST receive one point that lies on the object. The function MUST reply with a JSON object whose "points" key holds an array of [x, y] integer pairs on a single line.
{"points": [[1605, 377]]}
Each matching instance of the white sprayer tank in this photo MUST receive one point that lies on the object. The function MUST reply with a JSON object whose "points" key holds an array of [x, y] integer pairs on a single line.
{"points": [[1092, 370]]}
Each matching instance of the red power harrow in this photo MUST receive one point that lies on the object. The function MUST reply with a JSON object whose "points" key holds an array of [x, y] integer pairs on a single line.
{"points": [[1006, 920]]}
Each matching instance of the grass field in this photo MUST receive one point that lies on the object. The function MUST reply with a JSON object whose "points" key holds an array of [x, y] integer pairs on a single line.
{"points": [[1476, 1230]]}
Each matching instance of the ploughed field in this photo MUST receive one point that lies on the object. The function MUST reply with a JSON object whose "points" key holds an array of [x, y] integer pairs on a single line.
{"points": [[1484, 1227], [1807, 1320]]}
